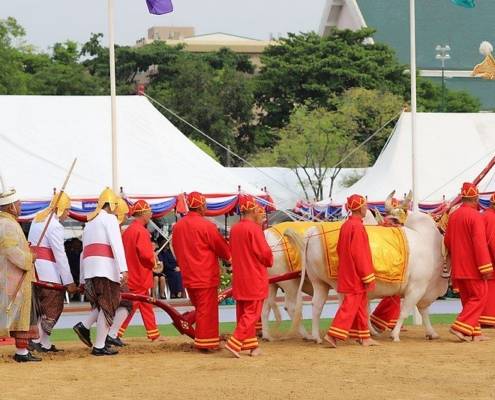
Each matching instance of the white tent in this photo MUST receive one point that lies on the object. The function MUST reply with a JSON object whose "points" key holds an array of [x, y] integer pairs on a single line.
{"points": [[452, 148], [283, 185], [41, 135]]}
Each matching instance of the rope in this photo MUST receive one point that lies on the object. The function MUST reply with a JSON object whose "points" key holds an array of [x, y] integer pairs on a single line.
{"points": [[460, 173]]}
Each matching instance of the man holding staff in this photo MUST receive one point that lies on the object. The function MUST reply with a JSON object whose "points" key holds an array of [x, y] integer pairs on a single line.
{"points": [[51, 266]]}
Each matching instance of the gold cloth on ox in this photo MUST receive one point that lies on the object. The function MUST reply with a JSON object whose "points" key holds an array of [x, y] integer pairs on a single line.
{"points": [[388, 248], [292, 255], [15, 260]]}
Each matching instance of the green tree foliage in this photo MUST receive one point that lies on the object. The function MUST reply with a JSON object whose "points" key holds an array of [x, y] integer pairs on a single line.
{"points": [[371, 111], [308, 68], [430, 98], [313, 144]]}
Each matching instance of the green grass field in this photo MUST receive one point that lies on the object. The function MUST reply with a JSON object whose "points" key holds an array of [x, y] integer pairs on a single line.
{"points": [[226, 327]]}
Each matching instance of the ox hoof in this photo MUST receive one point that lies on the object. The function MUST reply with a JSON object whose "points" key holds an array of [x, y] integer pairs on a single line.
{"points": [[267, 339], [395, 339], [432, 336]]}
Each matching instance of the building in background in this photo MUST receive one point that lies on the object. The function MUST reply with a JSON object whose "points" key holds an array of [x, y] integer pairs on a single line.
{"points": [[211, 42], [438, 22]]}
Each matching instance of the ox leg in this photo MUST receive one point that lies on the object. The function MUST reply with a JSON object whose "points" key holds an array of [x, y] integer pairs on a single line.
{"points": [[410, 300], [265, 313], [290, 305], [319, 298], [430, 332]]}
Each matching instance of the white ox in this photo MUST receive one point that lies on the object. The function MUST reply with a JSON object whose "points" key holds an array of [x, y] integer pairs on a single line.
{"points": [[290, 287], [423, 284]]}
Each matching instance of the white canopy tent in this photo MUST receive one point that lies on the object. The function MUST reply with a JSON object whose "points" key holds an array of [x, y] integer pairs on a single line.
{"points": [[451, 148], [283, 185], [41, 135]]}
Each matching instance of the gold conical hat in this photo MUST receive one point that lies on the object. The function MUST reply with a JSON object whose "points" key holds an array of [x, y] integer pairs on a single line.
{"points": [[121, 210], [60, 207], [107, 196]]}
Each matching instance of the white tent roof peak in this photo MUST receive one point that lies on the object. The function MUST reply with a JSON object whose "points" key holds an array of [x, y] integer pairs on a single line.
{"points": [[41, 135], [451, 148]]}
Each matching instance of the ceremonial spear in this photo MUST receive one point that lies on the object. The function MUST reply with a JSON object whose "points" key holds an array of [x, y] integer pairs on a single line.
{"points": [[43, 232]]}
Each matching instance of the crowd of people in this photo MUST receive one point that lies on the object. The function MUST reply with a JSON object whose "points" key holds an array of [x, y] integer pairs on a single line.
{"points": [[113, 262]]}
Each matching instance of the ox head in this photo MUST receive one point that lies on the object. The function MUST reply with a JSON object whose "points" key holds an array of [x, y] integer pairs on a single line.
{"points": [[396, 209]]}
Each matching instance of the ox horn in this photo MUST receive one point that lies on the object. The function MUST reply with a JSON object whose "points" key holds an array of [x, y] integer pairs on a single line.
{"points": [[406, 203], [388, 202]]}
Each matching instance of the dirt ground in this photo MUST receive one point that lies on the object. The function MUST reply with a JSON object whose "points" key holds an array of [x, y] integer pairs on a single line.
{"points": [[290, 369]]}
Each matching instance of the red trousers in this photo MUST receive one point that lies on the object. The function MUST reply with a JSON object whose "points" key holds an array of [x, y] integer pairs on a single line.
{"points": [[205, 300], [473, 294], [386, 313], [488, 316], [147, 314], [248, 313], [351, 319]]}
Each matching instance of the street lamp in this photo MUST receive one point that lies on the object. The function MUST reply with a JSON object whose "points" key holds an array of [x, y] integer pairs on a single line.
{"points": [[443, 55]]}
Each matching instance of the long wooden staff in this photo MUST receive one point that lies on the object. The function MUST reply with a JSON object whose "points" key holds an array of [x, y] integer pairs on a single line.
{"points": [[43, 232]]}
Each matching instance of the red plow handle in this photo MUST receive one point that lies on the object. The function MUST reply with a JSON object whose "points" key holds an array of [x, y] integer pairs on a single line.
{"points": [[182, 322]]}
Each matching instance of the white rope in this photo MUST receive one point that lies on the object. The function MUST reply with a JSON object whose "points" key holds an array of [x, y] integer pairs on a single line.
{"points": [[459, 174]]}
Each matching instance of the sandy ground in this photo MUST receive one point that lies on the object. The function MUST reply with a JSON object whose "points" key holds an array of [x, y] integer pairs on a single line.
{"points": [[290, 369]]}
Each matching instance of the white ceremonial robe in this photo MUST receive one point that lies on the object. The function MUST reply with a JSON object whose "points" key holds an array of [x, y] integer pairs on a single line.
{"points": [[57, 271], [103, 231]]}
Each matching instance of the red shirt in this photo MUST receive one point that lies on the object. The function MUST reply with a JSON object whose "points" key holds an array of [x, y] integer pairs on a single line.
{"points": [[251, 256], [197, 246], [465, 238], [489, 218], [139, 255], [355, 262]]}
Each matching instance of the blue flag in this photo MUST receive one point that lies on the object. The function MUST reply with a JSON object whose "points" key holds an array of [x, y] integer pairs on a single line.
{"points": [[159, 7], [464, 3]]}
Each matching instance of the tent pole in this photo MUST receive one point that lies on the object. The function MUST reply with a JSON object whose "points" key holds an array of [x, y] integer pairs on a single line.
{"points": [[111, 47], [412, 18], [417, 320]]}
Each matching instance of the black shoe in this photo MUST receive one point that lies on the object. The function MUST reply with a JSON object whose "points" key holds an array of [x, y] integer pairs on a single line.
{"points": [[110, 341], [26, 358], [33, 346], [83, 333], [105, 351], [52, 349]]}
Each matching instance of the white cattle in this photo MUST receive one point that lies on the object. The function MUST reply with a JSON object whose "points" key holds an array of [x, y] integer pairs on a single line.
{"points": [[423, 284], [290, 288]]}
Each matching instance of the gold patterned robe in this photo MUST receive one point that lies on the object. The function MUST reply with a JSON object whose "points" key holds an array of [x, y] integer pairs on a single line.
{"points": [[15, 261]]}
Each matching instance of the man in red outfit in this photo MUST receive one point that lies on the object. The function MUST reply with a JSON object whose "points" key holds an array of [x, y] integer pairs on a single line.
{"points": [[198, 245], [487, 318], [356, 277], [140, 263], [251, 256], [387, 311], [465, 239]]}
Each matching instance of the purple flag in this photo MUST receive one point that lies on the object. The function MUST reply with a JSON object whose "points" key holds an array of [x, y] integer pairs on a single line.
{"points": [[159, 7]]}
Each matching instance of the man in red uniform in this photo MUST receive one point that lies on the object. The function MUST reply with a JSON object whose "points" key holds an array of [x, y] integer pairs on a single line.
{"points": [[487, 319], [465, 239], [197, 244], [140, 263], [251, 256], [387, 312], [356, 277]]}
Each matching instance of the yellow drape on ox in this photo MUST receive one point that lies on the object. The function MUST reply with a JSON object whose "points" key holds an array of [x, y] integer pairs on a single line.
{"points": [[389, 251], [292, 255]]}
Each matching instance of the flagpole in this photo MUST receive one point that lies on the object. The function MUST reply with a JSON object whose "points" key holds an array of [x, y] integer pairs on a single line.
{"points": [[113, 100], [417, 320], [412, 17]]}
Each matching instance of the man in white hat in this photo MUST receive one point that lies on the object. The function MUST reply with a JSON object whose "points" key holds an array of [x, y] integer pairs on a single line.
{"points": [[17, 316], [51, 266], [103, 268]]}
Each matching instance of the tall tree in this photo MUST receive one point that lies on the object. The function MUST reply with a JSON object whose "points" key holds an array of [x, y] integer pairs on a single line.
{"points": [[312, 145], [309, 69]]}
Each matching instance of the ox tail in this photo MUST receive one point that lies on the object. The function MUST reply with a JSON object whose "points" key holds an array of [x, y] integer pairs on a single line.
{"points": [[300, 244]]}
